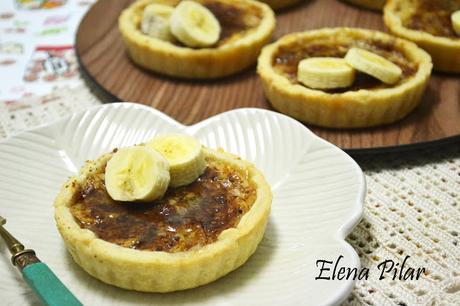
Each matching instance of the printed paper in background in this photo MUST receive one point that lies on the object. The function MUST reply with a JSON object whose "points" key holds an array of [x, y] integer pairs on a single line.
{"points": [[36, 47]]}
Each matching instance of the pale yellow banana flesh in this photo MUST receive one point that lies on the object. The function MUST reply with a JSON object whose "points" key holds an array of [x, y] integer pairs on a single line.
{"points": [[325, 73], [374, 65], [184, 155], [194, 25], [455, 18], [156, 21], [137, 174]]}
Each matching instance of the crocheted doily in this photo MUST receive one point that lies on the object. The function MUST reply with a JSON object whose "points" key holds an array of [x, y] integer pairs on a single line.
{"points": [[412, 208]]}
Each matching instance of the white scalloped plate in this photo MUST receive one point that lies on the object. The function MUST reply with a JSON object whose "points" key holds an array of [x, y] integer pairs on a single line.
{"points": [[318, 198]]}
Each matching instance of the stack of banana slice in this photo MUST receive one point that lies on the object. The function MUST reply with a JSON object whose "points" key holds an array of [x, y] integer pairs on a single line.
{"points": [[332, 72], [190, 22], [144, 172]]}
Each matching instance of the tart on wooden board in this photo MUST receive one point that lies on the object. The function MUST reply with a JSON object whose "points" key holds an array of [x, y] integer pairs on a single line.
{"points": [[241, 28], [430, 24], [367, 101]]}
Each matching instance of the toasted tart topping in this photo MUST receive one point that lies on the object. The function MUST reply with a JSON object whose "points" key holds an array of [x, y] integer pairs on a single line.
{"points": [[434, 17], [233, 20], [184, 218], [286, 61]]}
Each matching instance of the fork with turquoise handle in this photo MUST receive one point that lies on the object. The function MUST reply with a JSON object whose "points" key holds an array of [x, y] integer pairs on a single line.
{"points": [[38, 276]]}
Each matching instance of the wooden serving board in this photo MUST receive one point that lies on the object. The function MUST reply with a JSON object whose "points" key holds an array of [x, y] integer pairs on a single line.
{"points": [[104, 61]]}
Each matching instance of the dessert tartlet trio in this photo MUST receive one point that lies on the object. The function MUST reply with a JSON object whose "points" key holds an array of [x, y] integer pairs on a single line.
{"points": [[339, 78], [434, 25], [200, 39], [383, 81]]}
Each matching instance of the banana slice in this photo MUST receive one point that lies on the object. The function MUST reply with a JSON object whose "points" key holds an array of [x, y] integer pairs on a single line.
{"points": [[195, 25], [455, 17], [374, 65], [137, 174], [156, 21], [325, 73], [185, 157]]}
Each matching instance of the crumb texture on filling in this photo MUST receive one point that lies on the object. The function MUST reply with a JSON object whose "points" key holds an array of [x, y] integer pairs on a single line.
{"points": [[287, 58], [184, 218], [433, 16]]}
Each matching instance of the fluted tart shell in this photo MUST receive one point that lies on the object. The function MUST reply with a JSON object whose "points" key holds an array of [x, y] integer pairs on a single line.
{"points": [[444, 48], [348, 108], [162, 271], [231, 54]]}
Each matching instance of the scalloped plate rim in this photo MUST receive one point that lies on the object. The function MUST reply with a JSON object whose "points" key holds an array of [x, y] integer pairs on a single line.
{"points": [[345, 228]]}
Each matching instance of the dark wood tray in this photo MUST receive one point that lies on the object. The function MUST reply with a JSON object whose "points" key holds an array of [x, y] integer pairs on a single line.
{"points": [[104, 61]]}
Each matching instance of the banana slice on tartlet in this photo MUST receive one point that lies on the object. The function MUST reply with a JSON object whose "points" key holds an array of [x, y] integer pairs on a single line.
{"points": [[137, 174], [213, 38], [367, 101], [325, 73], [156, 21], [184, 155], [195, 25], [429, 24], [192, 235], [374, 65], [455, 18]]}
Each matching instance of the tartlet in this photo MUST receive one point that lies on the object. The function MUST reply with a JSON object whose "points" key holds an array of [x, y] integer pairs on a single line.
{"points": [[369, 4], [368, 102], [247, 26], [280, 4], [190, 237], [428, 24]]}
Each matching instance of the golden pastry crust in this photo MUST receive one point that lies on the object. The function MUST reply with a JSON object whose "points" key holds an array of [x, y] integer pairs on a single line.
{"points": [[369, 4], [155, 271], [280, 4], [444, 50], [350, 108], [237, 53]]}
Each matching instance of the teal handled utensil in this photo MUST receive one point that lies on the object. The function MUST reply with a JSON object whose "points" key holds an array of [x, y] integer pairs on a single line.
{"points": [[40, 278]]}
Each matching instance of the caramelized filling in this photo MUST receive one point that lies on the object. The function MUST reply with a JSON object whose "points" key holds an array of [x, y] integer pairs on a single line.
{"points": [[184, 218], [433, 16], [288, 57], [234, 19]]}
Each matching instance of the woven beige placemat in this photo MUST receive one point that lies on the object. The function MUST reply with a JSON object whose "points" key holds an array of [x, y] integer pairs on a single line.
{"points": [[412, 209]]}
